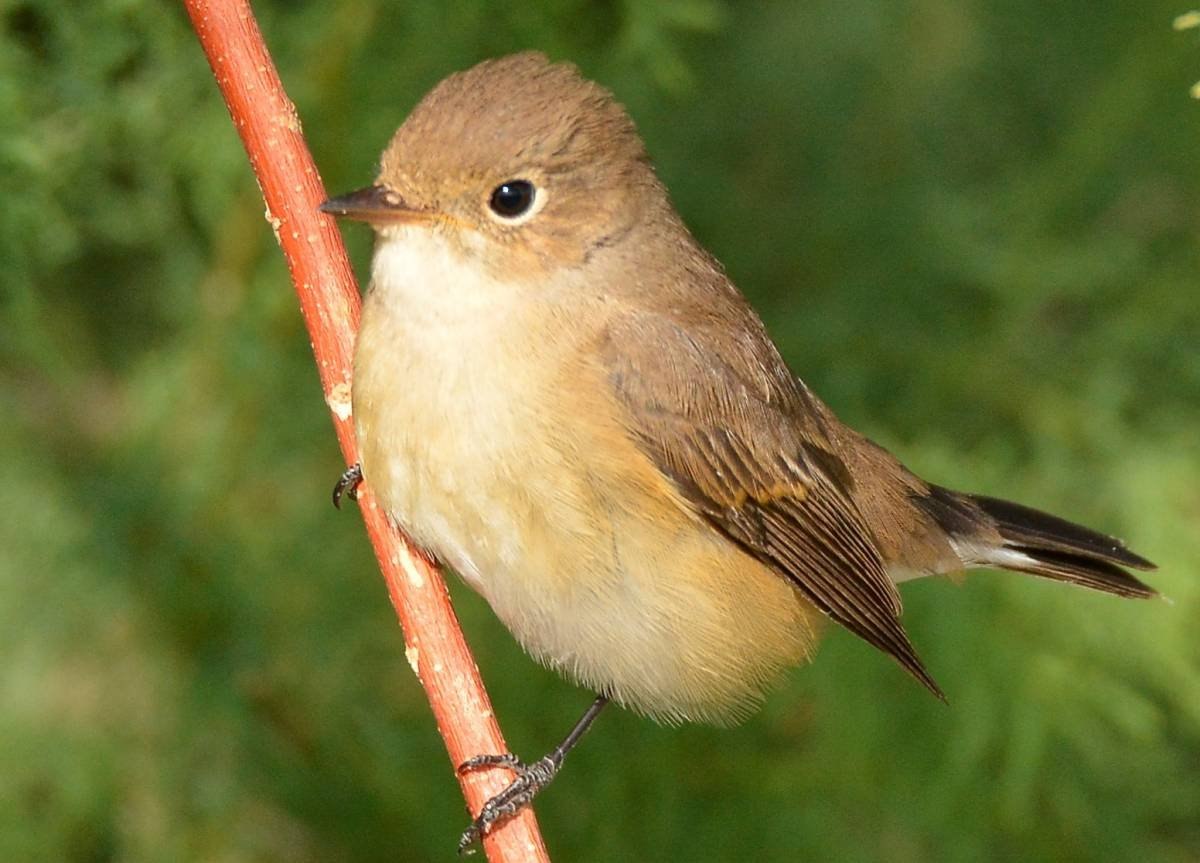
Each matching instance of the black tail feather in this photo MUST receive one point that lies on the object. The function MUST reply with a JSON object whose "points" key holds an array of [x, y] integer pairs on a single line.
{"points": [[1025, 526], [1038, 543], [1084, 571]]}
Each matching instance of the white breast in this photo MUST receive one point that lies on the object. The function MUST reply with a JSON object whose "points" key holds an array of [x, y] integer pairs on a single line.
{"points": [[445, 377]]}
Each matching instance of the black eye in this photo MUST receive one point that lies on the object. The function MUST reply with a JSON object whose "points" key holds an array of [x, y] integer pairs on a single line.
{"points": [[512, 199]]}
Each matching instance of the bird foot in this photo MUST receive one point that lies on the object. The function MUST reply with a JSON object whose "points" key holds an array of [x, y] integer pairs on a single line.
{"points": [[347, 485], [531, 778]]}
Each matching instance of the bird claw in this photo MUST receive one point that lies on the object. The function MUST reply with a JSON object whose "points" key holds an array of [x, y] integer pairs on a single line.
{"points": [[531, 778], [347, 485]]}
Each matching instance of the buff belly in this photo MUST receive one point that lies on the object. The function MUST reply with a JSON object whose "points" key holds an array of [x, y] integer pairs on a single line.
{"points": [[494, 458]]}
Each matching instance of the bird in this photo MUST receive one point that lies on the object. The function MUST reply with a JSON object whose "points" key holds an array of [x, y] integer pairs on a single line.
{"points": [[559, 393]]}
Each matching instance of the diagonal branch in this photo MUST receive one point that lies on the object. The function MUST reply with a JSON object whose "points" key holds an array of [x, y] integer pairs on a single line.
{"points": [[269, 128]]}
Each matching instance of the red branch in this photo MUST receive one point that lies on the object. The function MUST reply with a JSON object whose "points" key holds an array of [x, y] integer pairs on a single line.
{"points": [[267, 122]]}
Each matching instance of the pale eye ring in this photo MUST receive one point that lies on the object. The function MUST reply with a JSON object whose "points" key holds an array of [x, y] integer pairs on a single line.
{"points": [[515, 201]]}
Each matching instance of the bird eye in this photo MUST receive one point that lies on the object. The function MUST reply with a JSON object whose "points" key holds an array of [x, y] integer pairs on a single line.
{"points": [[512, 199]]}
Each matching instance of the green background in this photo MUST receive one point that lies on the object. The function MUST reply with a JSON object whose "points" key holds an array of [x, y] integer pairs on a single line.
{"points": [[973, 229]]}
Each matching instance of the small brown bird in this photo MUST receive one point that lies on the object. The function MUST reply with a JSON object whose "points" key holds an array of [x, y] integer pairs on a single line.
{"points": [[561, 395]]}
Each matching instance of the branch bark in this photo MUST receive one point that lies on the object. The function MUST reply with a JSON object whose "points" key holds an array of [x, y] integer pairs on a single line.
{"points": [[269, 128]]}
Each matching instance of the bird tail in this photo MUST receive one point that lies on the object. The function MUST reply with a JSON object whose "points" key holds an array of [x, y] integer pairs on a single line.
{"points": [[986, 531]]}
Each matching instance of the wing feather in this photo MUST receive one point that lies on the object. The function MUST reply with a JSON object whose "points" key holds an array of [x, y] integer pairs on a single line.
{"points": [[739, 437]]}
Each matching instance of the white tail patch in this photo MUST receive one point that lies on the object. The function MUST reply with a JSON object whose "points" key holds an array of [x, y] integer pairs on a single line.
{"points": [[974, 554]]}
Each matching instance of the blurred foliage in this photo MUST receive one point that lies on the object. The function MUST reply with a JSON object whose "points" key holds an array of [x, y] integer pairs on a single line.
{"points": [[973, 228]]}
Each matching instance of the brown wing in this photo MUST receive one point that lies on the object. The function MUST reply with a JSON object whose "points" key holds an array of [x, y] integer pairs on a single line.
{"points": [[726, 421]]}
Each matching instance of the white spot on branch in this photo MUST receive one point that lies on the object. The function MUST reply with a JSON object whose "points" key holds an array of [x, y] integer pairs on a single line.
{"points": [[339, 401]]}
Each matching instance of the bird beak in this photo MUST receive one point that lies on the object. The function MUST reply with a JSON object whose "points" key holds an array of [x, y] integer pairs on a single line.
{"points": [[376, 205]]}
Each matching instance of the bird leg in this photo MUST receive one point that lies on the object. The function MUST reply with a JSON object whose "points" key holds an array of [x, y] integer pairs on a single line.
{"points": [[531, 778]]}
